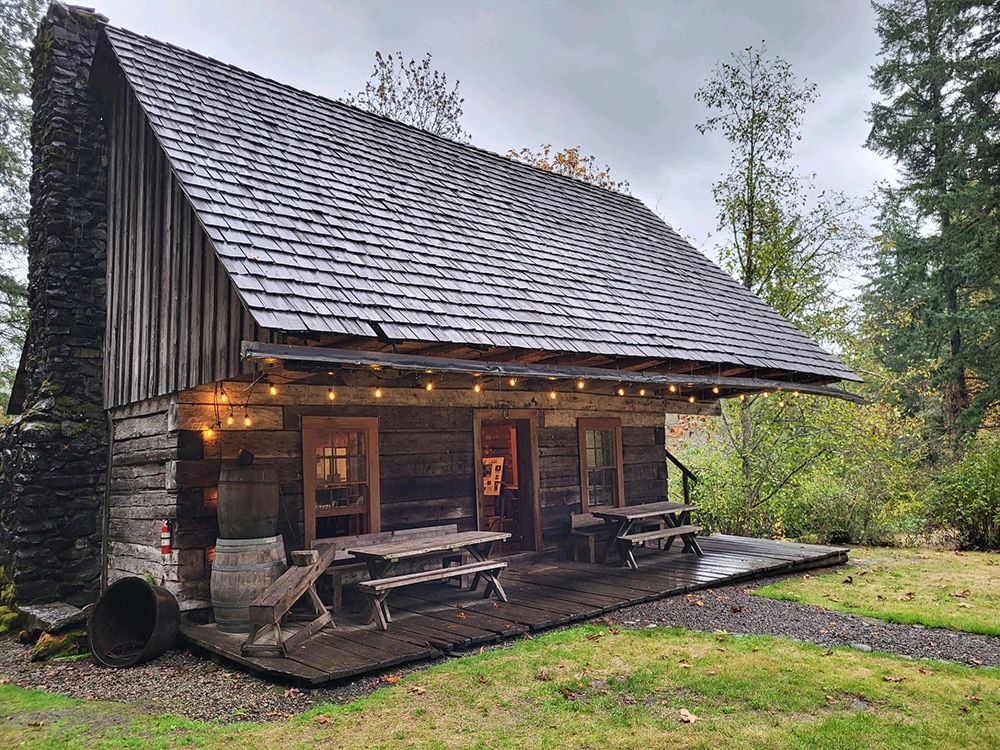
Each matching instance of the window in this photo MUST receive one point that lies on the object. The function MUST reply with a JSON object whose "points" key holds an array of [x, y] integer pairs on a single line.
{"points": [[339, 476], [601, 481]]}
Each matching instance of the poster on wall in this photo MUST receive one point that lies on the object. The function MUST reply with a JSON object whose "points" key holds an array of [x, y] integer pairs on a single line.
{"points": [[492, 474]]}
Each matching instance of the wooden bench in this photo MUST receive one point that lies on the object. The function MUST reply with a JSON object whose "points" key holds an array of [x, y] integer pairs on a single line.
{"points": [[344, 564], [269, 609], [587, 529], [628, 542], [377, 590]]}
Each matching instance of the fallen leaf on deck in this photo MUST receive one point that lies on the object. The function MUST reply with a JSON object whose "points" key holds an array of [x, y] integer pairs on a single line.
{"points": [[496, 605], [687, 717], [461, 616]]}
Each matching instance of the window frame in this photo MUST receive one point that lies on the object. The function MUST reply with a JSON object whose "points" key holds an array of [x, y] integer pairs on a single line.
{"points": [[583, 425], [312, 429]]}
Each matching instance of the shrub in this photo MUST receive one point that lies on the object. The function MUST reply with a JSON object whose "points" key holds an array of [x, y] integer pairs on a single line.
{"points": [[968, 496]]}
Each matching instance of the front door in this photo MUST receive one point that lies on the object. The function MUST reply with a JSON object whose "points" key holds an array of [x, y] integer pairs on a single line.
{"points": [[506, 491]]}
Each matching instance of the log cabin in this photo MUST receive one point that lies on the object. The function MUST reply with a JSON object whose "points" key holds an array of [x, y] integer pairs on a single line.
{"points": [[221, 262]]}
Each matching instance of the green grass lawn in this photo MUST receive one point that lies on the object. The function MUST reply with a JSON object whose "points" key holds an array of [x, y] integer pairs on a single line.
{"points": [[935, 588], [589, 687]]}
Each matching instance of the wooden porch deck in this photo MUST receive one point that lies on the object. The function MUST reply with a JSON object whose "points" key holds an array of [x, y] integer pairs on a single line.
{"points": [[434, 620]]}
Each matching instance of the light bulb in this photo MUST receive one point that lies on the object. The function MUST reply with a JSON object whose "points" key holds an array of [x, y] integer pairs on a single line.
{"points": [[715, 389], [477, 388], [621, 391], [513, 382], [690, 399], [378, 393], [223, 398], [430, 385], [579, 385], [273, 389], [246, 420], [330, 394], [208, 432], [552, 395], [672, 388], [642, 391], [230, 420]]}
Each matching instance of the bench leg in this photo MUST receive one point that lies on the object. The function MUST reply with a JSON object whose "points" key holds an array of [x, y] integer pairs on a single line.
{"points": [[380, 612], [493, 586]]}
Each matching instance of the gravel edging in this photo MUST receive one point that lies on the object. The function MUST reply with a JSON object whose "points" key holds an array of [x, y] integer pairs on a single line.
{"points": [[187, 685]]}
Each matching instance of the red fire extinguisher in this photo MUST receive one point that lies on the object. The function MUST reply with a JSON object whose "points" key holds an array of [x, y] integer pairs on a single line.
{"points": [[165, 538]]}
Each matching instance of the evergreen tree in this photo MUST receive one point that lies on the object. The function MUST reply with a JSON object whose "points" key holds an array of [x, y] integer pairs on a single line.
{"points": [[18, 19], [935, 277]]}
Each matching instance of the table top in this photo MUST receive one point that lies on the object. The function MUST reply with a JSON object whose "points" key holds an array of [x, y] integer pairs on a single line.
{"points": [[649, 510], [403, 549]]}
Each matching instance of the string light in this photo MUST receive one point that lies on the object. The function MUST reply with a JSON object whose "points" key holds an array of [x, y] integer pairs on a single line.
{"points": [[430, 385], [331, 394], [642, 391], [513, 382], [795, 394], [230, 420], [672, 388], [273, 389], [378, 393], [715, 389], [621, 391], [477, 388], [208, 432], [765, 394], [246, 419], [552, 395], [691, 399], [742, 397], [223, 397], [580, 384], [781, 402]]}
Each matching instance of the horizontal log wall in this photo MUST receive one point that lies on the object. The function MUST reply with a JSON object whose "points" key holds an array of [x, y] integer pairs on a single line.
{"points": [[141, 496], [426, 452], [174, 319]]}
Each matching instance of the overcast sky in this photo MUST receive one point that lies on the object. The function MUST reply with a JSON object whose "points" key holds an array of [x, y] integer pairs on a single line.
{"points": [[615, 78]]}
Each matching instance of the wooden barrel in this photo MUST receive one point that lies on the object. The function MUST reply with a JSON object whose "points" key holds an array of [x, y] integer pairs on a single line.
{"points": [[242, 571], [248, 502]]}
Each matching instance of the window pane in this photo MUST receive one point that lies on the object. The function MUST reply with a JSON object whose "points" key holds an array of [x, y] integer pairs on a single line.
{"points": [[600, 486]]}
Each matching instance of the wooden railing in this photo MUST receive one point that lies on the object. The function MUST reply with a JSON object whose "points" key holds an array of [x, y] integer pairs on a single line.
{"points": [[688, 477]]}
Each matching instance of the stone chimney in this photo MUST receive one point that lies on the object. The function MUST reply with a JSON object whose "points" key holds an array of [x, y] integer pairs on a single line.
{"points": [[53, 455]]}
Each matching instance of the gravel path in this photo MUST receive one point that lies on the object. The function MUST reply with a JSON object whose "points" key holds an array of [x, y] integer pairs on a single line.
{"points": [[187, 685]]}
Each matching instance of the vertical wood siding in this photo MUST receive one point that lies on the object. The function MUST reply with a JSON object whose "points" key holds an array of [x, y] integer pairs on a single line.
{"points": [[174, 318]]}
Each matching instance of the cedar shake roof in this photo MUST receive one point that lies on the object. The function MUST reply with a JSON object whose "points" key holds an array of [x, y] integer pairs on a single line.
{"points": [[331, 220]]}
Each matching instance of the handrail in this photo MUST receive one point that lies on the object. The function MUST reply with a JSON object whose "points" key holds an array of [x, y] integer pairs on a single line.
{"points": [[687, 476]]}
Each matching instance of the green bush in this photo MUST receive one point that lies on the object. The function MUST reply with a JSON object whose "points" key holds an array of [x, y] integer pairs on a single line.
{"points": [[968, 495]]}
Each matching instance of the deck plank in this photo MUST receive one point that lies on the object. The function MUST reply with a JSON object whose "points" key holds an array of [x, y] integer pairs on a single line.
{"points": [[431, 620]]}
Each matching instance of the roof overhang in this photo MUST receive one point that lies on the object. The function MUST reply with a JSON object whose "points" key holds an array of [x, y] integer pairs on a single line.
{"points": [[311, 358]]}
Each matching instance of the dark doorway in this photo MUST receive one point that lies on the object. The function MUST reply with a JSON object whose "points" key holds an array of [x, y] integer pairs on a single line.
{"points": [[507, 484]]}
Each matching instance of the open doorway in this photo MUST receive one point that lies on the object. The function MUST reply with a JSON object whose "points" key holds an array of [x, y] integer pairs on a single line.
{"points": [[506, 493]]}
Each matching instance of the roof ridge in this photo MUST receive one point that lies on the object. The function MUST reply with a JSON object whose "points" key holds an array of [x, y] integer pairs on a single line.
{"points": [[493, 155]]}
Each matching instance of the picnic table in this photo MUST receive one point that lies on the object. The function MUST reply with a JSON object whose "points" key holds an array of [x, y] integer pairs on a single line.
{"points": [[631, 525], [383, 558]]}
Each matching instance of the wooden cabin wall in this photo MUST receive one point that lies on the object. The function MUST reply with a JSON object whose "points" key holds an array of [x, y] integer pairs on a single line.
{"points": [[143, 493], [643, 461], [173, 319]]}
